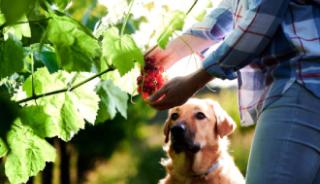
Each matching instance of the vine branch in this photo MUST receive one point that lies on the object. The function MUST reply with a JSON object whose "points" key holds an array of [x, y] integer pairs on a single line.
{"points": [[192, 6], [35, 96], [126, 18]]}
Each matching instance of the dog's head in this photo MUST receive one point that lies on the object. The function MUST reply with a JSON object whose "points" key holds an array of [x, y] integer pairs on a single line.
{"points": [[195, 126]]}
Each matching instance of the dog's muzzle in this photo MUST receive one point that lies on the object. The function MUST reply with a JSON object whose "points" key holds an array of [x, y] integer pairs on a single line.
{"points": [[181, 139]]}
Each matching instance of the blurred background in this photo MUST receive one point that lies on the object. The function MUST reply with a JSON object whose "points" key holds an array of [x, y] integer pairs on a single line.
{"points": [[128, 151]]}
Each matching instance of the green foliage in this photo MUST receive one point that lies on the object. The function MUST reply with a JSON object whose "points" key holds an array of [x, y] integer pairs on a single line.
{"points": [[56, 76], [76, 48], [67, 111], [112, 100], [176, 23], [71, 121], [40, 123], [11, 55], [8, 113], [28, 153], [18, 30], [120, 51], [13, 10], [61, 3], [3, 148], [45, 54]]}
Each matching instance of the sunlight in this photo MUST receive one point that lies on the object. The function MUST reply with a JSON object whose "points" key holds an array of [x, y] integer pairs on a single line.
{"points": [[159, 13]]}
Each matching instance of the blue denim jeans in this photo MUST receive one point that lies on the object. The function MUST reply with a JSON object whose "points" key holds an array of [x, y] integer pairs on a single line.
{"points": [[286, 144]]}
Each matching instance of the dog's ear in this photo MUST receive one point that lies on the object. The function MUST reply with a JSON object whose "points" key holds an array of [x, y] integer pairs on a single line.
{"points": [[225, 124], [166, 129]]}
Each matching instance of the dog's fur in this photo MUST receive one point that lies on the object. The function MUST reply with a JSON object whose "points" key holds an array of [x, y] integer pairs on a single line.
{"points": [[192, 166]]}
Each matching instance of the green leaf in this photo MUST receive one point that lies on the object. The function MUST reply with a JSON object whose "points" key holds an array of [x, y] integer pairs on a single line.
{"points": [[13, 10], [11, 57], [103, 114], [67, 111], [61, 3], [87, 102], [76, 48], [40, 121], [3, 148], [8, 113], [175, 24], [43, 82], [46, 56], [201, 15], [84, 97], [18, 30], [127, 82], [71, 121], [121, 51], [113, 99], [2, 19], [28, 153]]}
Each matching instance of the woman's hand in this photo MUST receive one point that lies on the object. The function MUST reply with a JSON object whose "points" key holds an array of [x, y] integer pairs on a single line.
{"points": [[178, 90]]}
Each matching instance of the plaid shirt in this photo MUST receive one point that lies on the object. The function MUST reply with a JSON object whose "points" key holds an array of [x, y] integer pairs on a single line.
{"points": [[267, 44]]}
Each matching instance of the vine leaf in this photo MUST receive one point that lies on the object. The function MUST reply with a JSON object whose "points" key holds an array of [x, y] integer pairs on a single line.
{"points": [[8, 113], [71, 121], [87, 102], [28, 153], [36, 118], [127, 82], [46, 55], [175, 24], [61, 3], [77, 50], [3, 148], [13, 10], [18, 30], [67, 110], [43, 82], [120, 51], [11, 56], [112, 99]]}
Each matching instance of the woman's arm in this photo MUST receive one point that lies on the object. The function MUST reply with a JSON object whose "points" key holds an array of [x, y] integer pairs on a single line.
{"points": [[179, 48], [215, 26], [246, 42]]}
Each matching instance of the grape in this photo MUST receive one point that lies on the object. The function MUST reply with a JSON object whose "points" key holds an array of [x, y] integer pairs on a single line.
{"points": [[150, 79]]}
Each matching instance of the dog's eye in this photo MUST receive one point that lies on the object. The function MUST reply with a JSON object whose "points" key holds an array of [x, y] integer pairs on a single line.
{"points": [[200, 116], [174, 116]]}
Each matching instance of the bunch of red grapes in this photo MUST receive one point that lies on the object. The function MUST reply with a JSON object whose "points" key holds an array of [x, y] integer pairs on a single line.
{"points": [[150, 79]]}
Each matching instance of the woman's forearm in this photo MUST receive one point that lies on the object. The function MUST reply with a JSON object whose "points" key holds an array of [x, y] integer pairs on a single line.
{"points": [[199, 79], [177, 49], [185, 45]]}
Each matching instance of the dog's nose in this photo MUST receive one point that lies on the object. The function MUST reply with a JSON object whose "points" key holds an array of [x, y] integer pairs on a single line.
{"points": [[178, 130], [194, 148]]}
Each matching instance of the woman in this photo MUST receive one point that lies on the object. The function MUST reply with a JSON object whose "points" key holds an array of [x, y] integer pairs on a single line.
{"points": [[273, 48]]}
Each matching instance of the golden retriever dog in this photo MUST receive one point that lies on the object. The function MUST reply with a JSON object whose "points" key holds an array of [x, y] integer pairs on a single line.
{"points": [[196, 143]]}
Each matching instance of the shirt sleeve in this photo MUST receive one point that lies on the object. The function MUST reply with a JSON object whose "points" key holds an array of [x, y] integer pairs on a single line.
{"points": [[216, 25], [248, 39]]}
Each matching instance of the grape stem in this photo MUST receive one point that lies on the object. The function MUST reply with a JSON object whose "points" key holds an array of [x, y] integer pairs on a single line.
{"points": [[35, 96]]}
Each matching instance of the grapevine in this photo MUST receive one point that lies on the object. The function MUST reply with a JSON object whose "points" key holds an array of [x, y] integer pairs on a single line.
{"points": [[68, 76]]}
